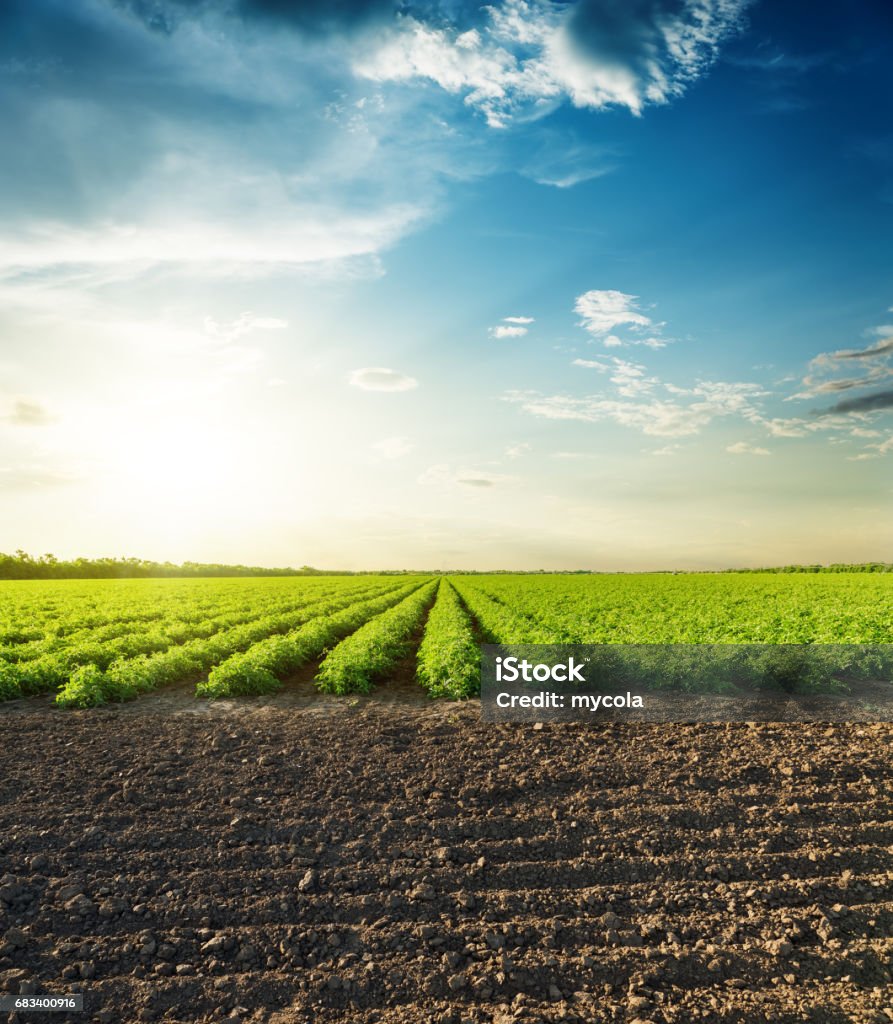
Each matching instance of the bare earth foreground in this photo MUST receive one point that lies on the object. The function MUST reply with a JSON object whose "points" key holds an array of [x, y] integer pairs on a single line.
{"points": [[392, 860]]}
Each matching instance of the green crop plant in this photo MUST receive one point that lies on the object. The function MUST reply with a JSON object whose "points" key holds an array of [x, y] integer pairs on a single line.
{"points": [[448, 660], [372, 651]]}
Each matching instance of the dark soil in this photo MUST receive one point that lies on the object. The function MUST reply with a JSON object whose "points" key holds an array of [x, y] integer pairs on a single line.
{"points": [[395, 860]]}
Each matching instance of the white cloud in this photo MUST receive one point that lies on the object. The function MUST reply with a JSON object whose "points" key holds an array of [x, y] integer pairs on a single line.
{"points": [[730, 397], [659, 417], [515, 451], [779, 427], [518, 319], [871, 365], [243, 324], [877, 450], [507, 332], [563, 160], [287, 188], [744, 448], [380, 378], [603, 310], [28, 412], [531, 55], [612, 341], [393, 447], [444, 475], [289, 236], [630, 378]]}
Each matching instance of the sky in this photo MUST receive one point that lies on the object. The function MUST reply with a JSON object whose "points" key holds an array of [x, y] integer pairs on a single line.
{"points": [[544, 284]]}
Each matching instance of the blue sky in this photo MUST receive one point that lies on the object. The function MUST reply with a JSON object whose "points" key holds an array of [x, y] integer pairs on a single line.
{"points": [[536, 285]]}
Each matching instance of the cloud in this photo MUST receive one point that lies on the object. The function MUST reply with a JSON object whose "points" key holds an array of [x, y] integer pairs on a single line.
{"points": [[876, 374], [686, 415], [33, 478], [475, 481], [379, 378], [647, 50], [780, 427], [515, 451], [773, 59], [243, 324], [874, 363], [744, 448], [884, 347], [865, 403], [294, 235], [518, 319], [228, 161], [657, 418], [564, 160], [443, 475], [503, 331], [602, 311], [393, 447], [26, 412], [527, 56], [629, 378], [777, 86], [592, 364]]}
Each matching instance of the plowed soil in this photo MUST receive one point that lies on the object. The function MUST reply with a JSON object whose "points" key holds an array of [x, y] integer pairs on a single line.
{"points": [[402, 862]]}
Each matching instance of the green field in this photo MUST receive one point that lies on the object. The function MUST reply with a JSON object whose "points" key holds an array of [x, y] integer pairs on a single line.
{"points": [[93, 641]]}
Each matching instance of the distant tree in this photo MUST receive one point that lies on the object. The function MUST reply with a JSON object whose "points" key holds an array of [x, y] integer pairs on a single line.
{"points": [[21, 566]]}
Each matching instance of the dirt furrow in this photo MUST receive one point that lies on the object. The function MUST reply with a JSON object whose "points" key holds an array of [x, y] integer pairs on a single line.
{"points": [[402, 862]]}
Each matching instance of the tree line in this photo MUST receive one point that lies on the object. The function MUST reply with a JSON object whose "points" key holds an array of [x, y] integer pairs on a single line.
{"points": [[22, 566]]}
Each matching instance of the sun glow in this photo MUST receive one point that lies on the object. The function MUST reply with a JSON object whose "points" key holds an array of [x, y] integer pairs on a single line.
{"points": [[173, 478], [178, 461]]}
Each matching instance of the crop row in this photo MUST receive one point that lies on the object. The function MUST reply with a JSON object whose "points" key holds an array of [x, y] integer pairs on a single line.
{"points": [[126, 678], [261, 668], [802, 650], [499, 623], [34, 611], [245, 636], [126, 638], [376, 648], [57, 667], [448, 662], [700, 608]]}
